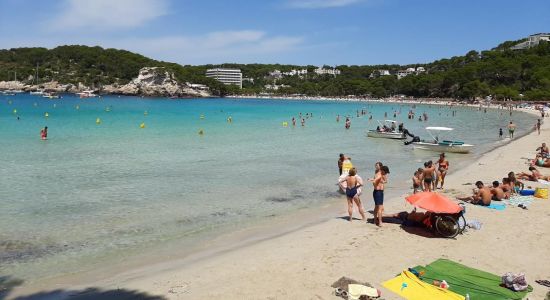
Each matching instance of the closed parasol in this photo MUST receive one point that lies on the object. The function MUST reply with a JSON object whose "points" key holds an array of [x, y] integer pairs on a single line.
{"points": [[434, 202]]}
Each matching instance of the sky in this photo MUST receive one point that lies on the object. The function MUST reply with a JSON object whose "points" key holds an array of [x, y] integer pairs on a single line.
{"points": [[315, 32]]}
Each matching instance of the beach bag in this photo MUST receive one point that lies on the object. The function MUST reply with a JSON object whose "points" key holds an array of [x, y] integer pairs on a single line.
{"points": [[541, 193], [515, 282]]}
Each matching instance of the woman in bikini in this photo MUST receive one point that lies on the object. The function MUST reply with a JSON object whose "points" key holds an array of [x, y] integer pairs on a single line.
{"points": [[443, 167], [353, 191]]}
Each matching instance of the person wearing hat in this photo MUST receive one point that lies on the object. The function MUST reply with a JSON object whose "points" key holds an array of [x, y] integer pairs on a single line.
{"points": [[442, 168]]}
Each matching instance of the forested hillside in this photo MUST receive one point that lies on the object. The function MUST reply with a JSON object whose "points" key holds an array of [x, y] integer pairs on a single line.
{"points": [[500, 72]]}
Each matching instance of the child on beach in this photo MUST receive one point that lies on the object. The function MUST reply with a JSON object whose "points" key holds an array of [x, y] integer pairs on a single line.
{"points": [[378, 194], [417, 180]]}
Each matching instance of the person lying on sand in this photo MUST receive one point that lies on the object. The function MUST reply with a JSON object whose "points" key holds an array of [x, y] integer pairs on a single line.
{"points": [[410, 218], [497, 192], [481, 196], [540, 161], [534, 176]]}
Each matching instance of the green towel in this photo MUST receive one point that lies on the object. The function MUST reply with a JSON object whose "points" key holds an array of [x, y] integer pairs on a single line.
{"points": [[465, 280]]}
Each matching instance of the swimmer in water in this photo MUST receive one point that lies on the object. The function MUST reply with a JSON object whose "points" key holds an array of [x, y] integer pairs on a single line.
{"points": [[293, 121], [44, 133]]}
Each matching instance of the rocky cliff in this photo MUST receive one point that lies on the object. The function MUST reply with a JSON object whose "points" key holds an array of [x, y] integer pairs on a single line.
{"points": [[151, 81]]}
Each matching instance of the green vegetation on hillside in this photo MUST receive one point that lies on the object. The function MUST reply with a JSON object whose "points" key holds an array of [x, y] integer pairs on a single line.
{"points": [[500, 72]]}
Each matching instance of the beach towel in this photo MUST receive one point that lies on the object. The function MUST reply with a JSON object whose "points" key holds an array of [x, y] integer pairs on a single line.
{"points": [[465, 280], [543, 181], [517, 200], [408, 286], [496, 206]]}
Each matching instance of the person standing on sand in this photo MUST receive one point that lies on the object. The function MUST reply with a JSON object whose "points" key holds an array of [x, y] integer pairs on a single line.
{"points": [[511, 129], [500, 133], [378, 194], [341, 160], [428, 176], [293, 121], [538, 126], [353, 191], [443, 167]]}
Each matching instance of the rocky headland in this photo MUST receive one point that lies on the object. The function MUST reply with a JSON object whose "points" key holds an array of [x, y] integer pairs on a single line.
{"points": [[151, 81]]}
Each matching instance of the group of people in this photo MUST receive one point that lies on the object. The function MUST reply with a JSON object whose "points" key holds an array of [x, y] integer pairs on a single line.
{"points": [[498, 191], [352, 184], [433, 174]]}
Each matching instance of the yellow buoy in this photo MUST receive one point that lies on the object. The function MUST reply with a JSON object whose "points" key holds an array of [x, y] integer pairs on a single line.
{"points": [[201, 132], [46, 115], [285, 124], [98, 121], [14, 111], [77, 107], [142, 125]]}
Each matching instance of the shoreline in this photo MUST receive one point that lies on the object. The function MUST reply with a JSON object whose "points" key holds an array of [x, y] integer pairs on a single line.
{"points": [[151, 271]]}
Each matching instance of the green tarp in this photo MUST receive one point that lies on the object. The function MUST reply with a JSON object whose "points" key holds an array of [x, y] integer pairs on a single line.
{"points": [[464, 280]]}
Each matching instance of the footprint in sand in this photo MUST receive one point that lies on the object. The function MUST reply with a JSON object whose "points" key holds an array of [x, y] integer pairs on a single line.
{"points": [[179, 289]]}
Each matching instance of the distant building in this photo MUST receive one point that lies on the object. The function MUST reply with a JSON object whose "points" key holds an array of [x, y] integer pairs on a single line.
{"points": [[276, 74], [197, 86], [323, 71], [378, 73], [275, 87], [295, 72], [532, 41], [410, 71], [226, 76]]}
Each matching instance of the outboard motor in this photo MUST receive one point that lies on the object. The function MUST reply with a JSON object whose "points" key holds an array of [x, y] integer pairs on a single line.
{"points": [[415, 139]]}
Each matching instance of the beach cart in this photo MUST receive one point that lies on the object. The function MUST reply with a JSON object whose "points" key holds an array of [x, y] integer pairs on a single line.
{"points": [[446, 217]]}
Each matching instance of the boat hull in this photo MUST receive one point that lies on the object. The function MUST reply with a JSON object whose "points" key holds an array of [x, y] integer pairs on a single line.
{"points": [[386, 135], [463, 148]]}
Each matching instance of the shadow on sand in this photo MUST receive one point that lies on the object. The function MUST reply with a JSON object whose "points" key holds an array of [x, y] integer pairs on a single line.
{"points": [[7, 284]]}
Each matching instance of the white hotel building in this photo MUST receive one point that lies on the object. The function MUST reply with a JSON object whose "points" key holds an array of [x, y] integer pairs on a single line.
{"points": [[226, 76]]}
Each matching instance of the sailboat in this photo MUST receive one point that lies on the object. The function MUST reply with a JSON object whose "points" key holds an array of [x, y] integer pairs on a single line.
{"points": [[38, 92]]}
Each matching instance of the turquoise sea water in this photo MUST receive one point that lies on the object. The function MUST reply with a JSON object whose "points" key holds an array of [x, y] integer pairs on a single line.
{"points": [[94, 191]]}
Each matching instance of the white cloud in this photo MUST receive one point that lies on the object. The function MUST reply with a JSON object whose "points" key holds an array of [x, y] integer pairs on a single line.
{"points": [[214, 47], [107, 14], [320, 3]]}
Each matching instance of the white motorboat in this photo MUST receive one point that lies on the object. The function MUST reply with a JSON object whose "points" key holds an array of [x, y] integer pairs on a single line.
{"points": [[87, 94], [442, 146], [50, 96], [37, 92], [388, 130]]}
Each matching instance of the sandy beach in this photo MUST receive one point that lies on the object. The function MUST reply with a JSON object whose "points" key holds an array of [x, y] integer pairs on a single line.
{"points": [[304, 263]]}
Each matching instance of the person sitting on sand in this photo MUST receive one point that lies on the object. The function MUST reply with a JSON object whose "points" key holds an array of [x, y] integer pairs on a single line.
{"points": [[543, 150], [497, 192], [506, 186], [417, 180], [353, 191], [410, 218], [428, 176], [515, 183], [481, 196]]}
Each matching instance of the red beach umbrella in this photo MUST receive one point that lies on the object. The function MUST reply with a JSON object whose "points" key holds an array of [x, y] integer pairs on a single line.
{"points": [[434, 202]]}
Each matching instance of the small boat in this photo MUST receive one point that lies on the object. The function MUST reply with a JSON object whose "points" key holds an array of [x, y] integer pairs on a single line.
{"points": [[87, 94], [50, 96], [37, 92], [388, 130], [443, 146]]}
